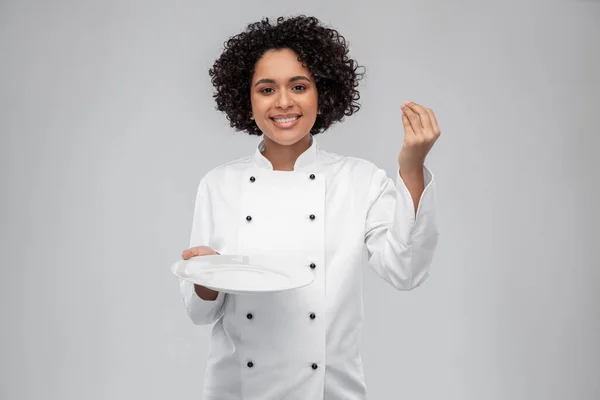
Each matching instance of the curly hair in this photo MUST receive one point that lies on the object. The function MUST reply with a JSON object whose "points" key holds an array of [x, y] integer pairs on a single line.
{"points": [[322, 50]]}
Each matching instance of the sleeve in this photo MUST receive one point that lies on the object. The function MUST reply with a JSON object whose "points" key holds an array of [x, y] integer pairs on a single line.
{"points": [[201, 312], [400, 245]]}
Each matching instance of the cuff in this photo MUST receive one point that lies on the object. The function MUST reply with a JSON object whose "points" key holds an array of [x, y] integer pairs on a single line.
{"points": [[424, 222]]}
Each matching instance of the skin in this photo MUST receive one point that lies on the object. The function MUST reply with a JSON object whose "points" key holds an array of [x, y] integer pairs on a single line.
{"points": [[281, 86], [421, 130]]}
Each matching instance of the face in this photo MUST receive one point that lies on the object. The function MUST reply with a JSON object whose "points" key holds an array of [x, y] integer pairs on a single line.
{"points": [[284, 97]]}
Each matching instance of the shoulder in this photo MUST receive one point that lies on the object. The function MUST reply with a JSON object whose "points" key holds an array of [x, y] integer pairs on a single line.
{"points": [[225, 172], [362, 177], [358, 168]]}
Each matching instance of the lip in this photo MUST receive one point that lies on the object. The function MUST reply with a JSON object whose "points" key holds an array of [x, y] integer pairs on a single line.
{"points": [[286, 125], [285, 115]]}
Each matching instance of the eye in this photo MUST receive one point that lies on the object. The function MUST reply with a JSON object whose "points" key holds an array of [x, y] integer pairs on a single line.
{"points": [[299, 88], [267, 91]]}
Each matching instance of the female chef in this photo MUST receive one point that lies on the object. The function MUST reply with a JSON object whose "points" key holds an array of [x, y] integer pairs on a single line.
{"points": [[289, 81]]}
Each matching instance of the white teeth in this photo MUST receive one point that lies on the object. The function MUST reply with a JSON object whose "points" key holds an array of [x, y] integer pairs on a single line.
{"points": [[284, 120]]}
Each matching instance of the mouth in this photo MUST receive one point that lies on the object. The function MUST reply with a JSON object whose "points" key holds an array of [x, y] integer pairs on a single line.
{"points": [[285, 121]]}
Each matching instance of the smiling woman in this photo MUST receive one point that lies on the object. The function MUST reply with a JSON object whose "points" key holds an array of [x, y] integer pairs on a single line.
{"points": [[288, 82], [284, 99], [318, 53], [284, 81]]}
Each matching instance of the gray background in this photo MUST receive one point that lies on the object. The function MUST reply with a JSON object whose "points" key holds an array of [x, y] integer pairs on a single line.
{"points": [[107, 124]]}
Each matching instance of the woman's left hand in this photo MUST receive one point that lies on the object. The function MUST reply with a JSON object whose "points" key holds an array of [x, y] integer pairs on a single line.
{"points": [[421, 130]]}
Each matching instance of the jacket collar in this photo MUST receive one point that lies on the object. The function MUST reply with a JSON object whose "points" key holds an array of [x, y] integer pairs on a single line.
{"points": [[306, 159]]}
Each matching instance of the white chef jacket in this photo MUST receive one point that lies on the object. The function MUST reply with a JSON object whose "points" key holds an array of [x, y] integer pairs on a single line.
{"points": [[332, 215]]}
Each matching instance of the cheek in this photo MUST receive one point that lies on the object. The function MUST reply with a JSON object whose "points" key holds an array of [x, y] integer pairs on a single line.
{"points": [[311, 105], [314, 101], [259, 105]]}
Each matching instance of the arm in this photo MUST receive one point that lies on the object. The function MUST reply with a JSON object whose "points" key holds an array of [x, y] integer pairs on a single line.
{"points": [[401, 241], [203, 305]]}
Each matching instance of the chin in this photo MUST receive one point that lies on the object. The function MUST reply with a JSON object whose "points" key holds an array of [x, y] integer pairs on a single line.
{"points": [[285, 138]]}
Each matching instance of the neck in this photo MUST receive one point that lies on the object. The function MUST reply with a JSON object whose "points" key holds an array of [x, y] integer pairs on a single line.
{"points": [[283, 157]]}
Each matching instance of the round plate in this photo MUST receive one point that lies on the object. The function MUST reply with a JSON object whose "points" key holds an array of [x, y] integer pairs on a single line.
{"points": [[243, 274]]}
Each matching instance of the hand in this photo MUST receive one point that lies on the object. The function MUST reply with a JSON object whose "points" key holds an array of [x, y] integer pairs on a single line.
{"points": [[203, 292], [421, 130], [197, 251]]}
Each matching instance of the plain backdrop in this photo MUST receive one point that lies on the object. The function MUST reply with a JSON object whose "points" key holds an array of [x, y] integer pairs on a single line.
{"points": [[107, 124]]}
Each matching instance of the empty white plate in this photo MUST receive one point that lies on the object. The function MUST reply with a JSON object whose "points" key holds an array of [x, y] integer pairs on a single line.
{"points": [[244, 274]]}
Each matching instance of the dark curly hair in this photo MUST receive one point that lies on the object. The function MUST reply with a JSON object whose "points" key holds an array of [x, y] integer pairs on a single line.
{"points": [[322, 50]]}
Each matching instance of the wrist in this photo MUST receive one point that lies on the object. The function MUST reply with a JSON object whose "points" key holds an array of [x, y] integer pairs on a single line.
{"points": [[413, 170]]}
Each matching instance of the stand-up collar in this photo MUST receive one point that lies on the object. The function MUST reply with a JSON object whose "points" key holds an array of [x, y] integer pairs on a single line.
{"points": [[305, 159]]}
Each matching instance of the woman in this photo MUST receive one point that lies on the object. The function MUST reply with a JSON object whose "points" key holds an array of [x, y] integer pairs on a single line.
{"points": [[290, 81]]}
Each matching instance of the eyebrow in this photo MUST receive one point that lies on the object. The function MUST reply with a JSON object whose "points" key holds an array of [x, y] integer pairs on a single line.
{"points": [[292, 79]]}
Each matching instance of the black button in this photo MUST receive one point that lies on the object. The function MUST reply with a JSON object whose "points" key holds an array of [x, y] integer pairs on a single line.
{"points": [[315, 366], [249, 316], [313, 266], [248, 218], [312, 316], [250, 364], [312, 216], [252, 179], [312, 176]]}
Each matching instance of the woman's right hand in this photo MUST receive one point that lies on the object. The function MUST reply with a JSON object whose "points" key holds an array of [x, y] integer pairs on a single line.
{"points": [[203, 292]]}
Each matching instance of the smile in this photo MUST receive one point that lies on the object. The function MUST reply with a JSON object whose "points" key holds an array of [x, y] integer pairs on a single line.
{"points": [[286, 122]]}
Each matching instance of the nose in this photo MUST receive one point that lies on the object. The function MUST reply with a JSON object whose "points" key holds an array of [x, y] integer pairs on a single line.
{"points": [[284, 100]]}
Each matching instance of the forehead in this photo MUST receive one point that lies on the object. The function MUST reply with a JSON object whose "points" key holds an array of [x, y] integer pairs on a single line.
{"points": [[279, 65]]}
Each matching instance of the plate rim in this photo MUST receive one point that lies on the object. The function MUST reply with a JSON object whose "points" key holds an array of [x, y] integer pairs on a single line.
{"points": [[305, 277]]}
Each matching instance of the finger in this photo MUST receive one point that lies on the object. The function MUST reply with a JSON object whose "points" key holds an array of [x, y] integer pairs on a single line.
{"points": [[196, 251], [414, 120], [434, 123], [422, 113], [187, 254], [407, 128]]}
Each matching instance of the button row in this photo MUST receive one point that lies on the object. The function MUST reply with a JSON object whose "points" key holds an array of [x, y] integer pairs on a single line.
{"points": [[250, 364], [311, 216], [253, 179], [311, 316]]}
